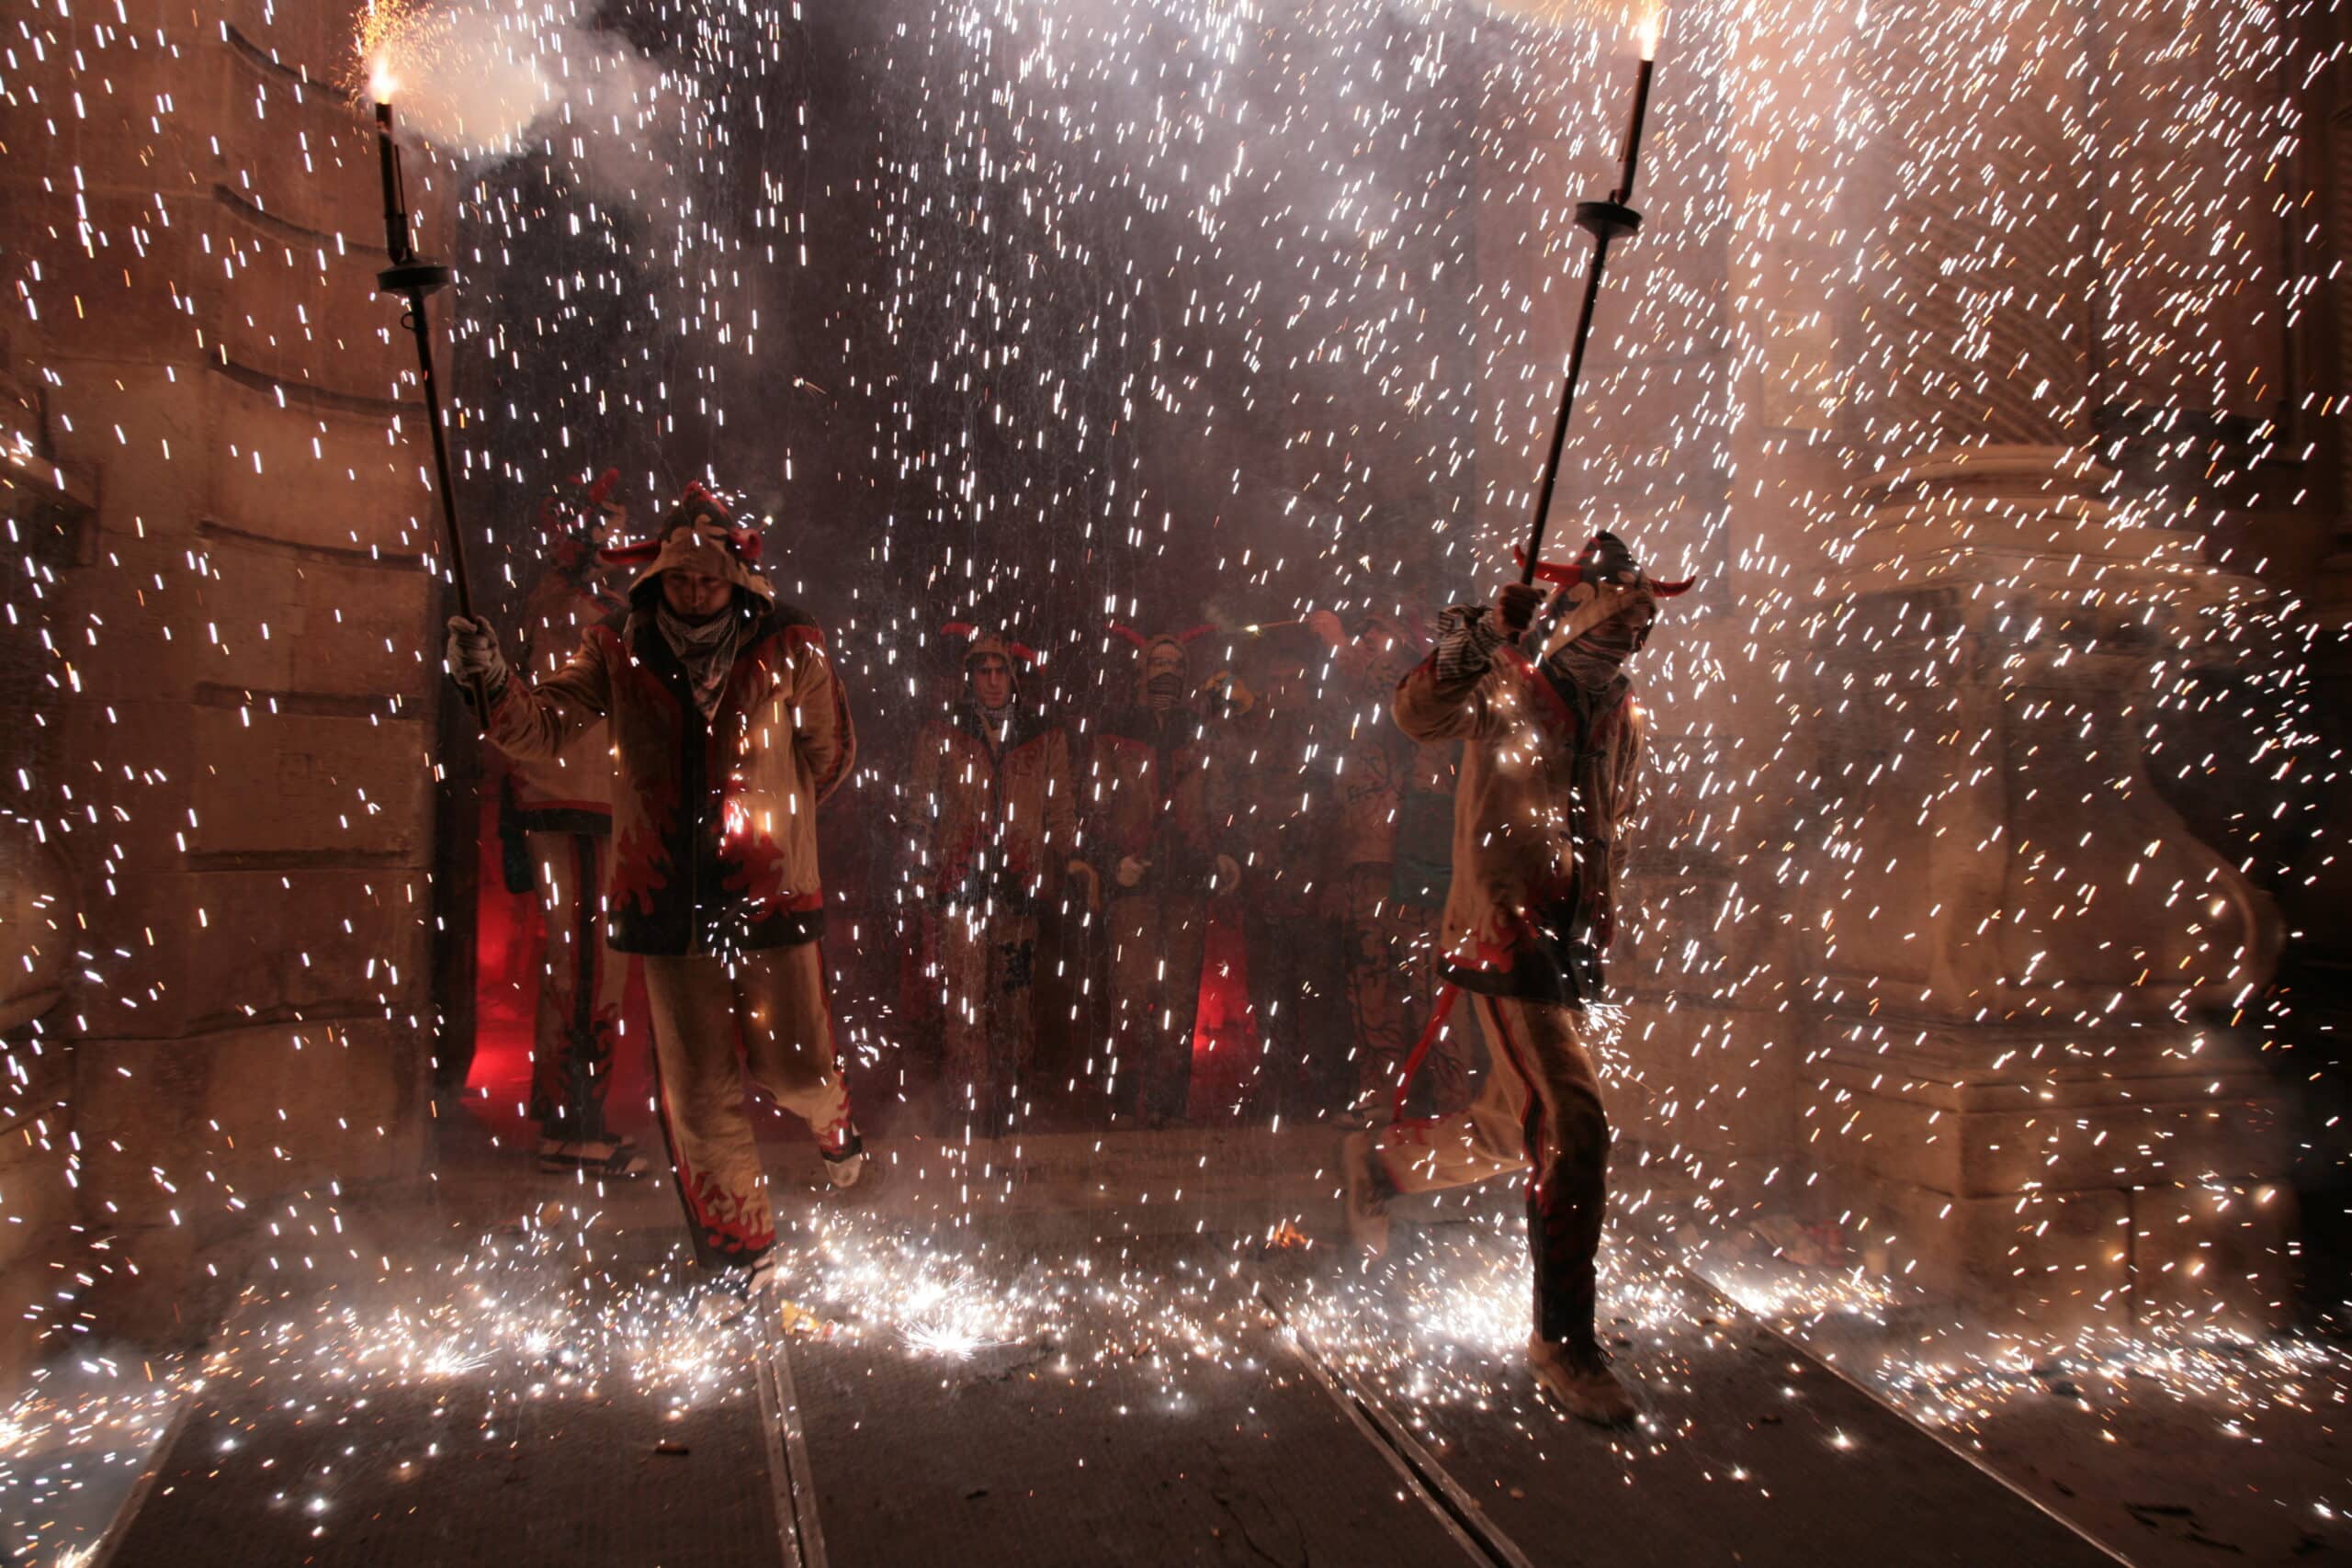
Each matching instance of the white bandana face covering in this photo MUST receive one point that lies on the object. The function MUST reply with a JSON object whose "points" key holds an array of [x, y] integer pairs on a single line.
{"points": [[706, 648]]}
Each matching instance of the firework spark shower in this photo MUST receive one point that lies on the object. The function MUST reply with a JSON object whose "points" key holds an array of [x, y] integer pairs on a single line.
{"points": [[988, 526]]}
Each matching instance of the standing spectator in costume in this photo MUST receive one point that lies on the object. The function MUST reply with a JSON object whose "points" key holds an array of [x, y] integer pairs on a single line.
{"points": [[556, 826], [996, 830], [1395, 833], [1278, 762], [1154, 848], [1551, 755], [728, 727]]}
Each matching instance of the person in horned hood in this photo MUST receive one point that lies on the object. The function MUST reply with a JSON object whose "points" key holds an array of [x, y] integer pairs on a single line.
{"points": [[728, 727], [1550, 757], [996, 830], [1159, 857], [555, 821]]}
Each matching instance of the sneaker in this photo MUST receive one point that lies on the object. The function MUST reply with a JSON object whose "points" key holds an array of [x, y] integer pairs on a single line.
{"points": [[1368, 1189], [845, 1154], [1580, 1381]]}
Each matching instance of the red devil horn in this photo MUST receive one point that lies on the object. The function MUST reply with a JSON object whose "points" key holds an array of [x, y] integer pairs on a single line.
{"points": [[1023, 651], [1120, 629], [603, 485], [960, 628], [1545, 572], [744, 544], [640, 554], [1188, 638], [1669, 590], [695, 495]]}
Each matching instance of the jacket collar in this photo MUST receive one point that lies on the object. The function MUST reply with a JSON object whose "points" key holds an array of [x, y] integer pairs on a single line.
{"points": [[642, 635], [1027, 724], [1185, 726]]}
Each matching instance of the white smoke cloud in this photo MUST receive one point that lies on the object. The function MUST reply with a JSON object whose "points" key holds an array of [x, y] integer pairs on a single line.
{"points": [[483, 79]]}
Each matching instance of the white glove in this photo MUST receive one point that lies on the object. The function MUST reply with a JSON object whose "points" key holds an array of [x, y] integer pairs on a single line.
{"points": [[1131, 870], [472, 656], [1228, 874]]}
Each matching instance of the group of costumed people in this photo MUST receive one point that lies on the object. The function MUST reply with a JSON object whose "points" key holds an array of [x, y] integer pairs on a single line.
{"points": [[666, 770], [1178, 803]]}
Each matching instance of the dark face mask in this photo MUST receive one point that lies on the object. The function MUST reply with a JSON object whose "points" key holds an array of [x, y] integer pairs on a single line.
{"points": [[1161, 690], [1593, 660]]}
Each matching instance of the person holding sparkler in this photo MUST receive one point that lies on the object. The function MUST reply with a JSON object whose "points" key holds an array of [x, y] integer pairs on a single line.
{"points": [[995, 815], [1551, 754], [729, 728]]}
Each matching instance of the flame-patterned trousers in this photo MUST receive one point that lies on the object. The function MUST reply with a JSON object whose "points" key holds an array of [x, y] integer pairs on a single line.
{"points": [[581, 987], [1539, 1112], [772, 1000]]}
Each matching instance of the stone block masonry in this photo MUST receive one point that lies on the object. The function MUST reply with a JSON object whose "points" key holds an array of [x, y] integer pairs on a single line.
{"points": [[232, 716]]}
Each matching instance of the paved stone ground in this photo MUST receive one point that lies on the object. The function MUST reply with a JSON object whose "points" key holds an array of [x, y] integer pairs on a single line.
{"points": [[458, 1470], [1049, 1376], [1146, 1404], [2239, 1453]]}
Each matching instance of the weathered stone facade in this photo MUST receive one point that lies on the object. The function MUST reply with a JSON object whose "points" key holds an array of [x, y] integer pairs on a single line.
{"points": [[235, 707]]}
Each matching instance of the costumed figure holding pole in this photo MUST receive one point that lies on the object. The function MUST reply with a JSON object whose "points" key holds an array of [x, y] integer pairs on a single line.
{"points": [[729, 728], [1550, 763]]}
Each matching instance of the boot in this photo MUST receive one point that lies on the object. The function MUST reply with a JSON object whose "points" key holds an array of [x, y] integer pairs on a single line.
{"points": [[845, 1154], [737, 1290], [1368, 1192], [1580, 1381]]}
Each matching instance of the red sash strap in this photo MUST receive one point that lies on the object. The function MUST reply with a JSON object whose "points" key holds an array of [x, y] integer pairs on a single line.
{"points": [[1445, 998]]}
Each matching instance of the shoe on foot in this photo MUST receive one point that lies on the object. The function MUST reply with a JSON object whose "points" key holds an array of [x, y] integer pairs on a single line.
{"points": [[1368, 1189], [1580, 1381], [608, 1159], [737, 1289], [845, 1154]]}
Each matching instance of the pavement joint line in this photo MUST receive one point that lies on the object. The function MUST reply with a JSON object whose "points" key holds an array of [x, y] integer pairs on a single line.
{"points": [[1464, 1520], [118, 1527], [1796, 1348], [109, 1544], [792, 1484]]}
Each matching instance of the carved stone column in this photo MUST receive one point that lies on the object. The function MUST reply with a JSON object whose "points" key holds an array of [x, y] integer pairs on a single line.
{"points": [[2029, 965]]}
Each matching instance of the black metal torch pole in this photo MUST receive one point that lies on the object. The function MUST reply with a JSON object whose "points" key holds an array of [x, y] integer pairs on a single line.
{"points": [[412, 279], [1605, 221]]}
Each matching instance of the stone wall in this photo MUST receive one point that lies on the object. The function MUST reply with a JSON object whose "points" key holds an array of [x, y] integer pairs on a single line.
{"points": [[236, 699]]}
